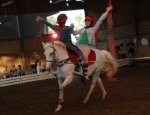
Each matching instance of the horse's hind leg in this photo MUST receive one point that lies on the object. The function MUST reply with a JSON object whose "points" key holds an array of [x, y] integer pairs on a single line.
{"points": [[104, 93], [96, 74]]}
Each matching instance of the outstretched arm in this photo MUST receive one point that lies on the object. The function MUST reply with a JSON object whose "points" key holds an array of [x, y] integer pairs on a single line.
{"points": [[109, 8], [102, 17], [40, 19]]}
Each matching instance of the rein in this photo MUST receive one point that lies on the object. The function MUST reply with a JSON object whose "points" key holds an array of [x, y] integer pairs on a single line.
{"points": [[54, 61]]}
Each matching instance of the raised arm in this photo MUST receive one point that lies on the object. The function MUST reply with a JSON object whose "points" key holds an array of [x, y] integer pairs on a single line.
{"points": [[102, 17], [40, 19]]}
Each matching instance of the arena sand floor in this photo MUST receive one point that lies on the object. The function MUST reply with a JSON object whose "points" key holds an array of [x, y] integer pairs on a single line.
{"points": [[129, 95]]}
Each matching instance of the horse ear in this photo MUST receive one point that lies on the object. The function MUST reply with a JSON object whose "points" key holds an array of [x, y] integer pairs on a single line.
{"points": [[43, 43]]}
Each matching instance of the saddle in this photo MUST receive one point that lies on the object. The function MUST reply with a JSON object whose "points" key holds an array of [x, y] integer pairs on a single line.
{"points": [[84, 66], [91, 57]]}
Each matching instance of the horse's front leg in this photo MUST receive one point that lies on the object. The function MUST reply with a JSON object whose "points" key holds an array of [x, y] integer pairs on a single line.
{"points": [[68, 80], [94, 79], [104, 93], [61, 99]]}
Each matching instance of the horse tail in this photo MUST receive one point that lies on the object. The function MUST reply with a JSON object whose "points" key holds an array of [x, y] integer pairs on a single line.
{"points": [[111, 66]]}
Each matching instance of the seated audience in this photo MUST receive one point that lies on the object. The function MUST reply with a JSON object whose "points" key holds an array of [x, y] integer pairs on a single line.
{"points": [[6, 73], [21, 71], [13, 71]]}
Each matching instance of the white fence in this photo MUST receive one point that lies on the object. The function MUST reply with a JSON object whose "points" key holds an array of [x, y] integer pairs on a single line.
{"points": [[123, 62], [44, 76], [128, 61], [25, 79], [142, 58]]}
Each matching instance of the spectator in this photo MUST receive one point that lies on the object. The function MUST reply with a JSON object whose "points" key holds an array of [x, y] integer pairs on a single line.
{"points": [[6, 73], [21, 71], [131, 50], [13, 71], [123, 51], [118, 52], [33, 65], [34, 59]]}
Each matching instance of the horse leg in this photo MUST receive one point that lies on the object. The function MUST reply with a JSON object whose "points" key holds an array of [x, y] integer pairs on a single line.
{"points": [[67, 81], [61, 99], [104, 93], [96, 74]]}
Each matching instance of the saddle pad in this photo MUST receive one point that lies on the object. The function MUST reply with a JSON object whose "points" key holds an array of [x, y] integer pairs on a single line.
{"points": [[72, 56], [91, 57]]}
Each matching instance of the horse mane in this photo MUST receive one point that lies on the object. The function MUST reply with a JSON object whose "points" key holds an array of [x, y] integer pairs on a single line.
{"points": [[55, 43], [47, 44]]}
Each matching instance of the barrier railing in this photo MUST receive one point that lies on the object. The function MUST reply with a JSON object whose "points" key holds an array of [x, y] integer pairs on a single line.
{"points": [[44, 76], [123, 62], [25, 79], [128, 61], [142, 58]]}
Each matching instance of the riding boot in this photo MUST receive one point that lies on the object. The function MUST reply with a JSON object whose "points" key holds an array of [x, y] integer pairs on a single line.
{"points": [[78, 65], [84, 68]]}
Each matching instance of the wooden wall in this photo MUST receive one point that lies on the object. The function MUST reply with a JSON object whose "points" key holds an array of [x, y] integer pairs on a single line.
{"points": [[11, 53], [131, 22]]}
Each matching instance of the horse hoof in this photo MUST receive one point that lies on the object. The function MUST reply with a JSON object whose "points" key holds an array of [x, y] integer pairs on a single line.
{"points": [[85, 101], [57, 110], [104, 96]]}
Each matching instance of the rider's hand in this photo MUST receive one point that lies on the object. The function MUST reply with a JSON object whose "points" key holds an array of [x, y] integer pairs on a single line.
{"points": [[109, 8], [72, 25], [38, 19]]}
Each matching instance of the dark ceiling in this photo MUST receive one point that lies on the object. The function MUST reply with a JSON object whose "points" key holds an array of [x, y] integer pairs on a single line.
{"points": [[133, 14], [36, 6]]}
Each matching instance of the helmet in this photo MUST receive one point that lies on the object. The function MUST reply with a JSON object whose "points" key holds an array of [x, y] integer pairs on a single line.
{"points": [[89, 18], [61, 18]]}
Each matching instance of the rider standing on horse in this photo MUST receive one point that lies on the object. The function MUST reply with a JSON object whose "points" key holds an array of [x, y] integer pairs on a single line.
{"points": [[64, 34]]}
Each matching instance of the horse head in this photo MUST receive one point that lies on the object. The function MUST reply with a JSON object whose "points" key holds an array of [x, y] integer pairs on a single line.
{"points": [[53, 52], [49, 54]]}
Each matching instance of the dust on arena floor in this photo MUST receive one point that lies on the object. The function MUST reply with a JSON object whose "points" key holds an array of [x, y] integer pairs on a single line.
{"points": [[129, 95]]}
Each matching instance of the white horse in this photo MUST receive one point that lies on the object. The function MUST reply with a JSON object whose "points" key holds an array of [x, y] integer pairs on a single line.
{"points": [[56, 52]]}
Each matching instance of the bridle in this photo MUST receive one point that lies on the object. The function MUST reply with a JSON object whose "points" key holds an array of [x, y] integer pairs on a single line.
{"points": [[55, 60], [53, 54]]}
